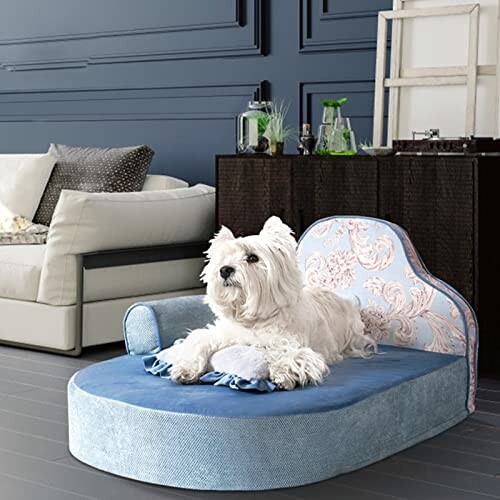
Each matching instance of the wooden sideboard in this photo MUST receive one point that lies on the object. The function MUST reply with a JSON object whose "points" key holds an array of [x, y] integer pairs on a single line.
{"points": [[440, 201]]}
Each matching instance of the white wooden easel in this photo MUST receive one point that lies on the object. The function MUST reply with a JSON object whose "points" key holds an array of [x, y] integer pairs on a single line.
{"points": [[447, 75]]}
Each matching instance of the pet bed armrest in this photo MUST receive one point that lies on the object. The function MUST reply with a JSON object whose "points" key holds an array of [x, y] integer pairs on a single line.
{"points": [[149, 327]]}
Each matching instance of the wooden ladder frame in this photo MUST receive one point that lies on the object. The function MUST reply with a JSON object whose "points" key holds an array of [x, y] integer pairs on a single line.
{"points": [[431, 76]]}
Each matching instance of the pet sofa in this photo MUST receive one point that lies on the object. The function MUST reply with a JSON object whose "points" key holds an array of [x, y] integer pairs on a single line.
{"points": [[104, 252], [124, 421]]}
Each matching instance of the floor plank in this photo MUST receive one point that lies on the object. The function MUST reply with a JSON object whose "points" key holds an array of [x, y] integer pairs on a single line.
{"points": [[33, 426], [13, 488], [234, 495], [488, 395], [489, 383], [34, 379], [10, 387], [476, 431], [25, 355], [23, 406], [485, 418], [404, 487], [466, 444], [46, 396], [38, 367], [67, 459], [488, 406], [30, 445], [471, 482], [452, 458], [328, 490]]}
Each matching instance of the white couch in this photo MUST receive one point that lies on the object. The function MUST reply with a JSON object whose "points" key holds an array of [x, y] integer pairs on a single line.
{"points": [[104, 252]]}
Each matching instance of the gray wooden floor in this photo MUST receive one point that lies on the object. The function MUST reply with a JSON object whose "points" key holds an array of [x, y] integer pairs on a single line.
{"points": [[463, 463]]}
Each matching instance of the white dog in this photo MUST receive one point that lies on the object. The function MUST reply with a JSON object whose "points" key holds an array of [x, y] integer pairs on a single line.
{"points": [[255, 288]]}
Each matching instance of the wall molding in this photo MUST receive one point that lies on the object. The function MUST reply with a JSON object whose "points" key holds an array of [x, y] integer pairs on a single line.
{"points": [[327, 15], [52, 105], [307, 42], [256, 46], [307, 90], [237, 21]]}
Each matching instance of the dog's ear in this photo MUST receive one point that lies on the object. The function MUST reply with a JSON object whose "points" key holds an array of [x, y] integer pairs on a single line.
{"points": [[223, 235], [275, 228]]}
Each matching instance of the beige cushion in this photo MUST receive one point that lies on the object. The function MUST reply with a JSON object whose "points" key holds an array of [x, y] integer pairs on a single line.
{"points": [[142, 279], [55, 327], [23, 179], [20, 268], [90, 222], [102, 321], [38, 324], [161, 182]]}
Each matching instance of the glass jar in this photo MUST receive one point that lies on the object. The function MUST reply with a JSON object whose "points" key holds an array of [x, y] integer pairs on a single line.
{"points": [[251, 127], [342, 140], [325, 129]]}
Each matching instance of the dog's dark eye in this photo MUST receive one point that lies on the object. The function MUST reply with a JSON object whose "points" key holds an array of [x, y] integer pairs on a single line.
{"points": [[252, 258]]}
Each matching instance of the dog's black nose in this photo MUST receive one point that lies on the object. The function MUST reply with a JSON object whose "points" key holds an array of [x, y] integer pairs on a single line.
{"points": [[226, 271]]}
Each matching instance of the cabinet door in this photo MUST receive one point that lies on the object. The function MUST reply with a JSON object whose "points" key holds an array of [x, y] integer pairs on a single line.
{"points": [[433, 199], [323, 187], [251, 189]]}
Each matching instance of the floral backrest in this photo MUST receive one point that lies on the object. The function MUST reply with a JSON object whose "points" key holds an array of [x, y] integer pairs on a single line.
{"points": [[401, 302]]}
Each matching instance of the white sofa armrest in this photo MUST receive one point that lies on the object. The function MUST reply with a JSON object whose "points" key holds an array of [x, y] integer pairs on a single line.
{"points": [[92, 222]]}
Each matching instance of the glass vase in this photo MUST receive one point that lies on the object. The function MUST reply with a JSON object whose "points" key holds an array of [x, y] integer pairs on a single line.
{"points": [[342, 139], [251, 127]]}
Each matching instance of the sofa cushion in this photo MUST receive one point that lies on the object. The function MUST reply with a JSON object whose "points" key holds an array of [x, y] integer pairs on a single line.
{"points": [[56, 327], [162, 182], [142, 279], [91, 222], [23, 179], [93, 170], [20, 269]]}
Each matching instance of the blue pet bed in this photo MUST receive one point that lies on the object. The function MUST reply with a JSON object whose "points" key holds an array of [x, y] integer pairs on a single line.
{"points": [[127, 422]]}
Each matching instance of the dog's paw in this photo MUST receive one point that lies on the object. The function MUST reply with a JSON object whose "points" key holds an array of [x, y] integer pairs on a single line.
{"points": [[299, 367], [283, 381], [184, 374], [313, 367]]}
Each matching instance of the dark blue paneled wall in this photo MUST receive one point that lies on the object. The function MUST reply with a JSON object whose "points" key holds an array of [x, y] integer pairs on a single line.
{"points": [[175, 73]]}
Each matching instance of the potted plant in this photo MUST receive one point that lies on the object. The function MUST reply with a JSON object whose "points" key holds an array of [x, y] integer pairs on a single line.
{"points": [[276, 131]]}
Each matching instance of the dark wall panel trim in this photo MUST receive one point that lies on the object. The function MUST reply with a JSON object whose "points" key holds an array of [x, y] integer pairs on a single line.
{"points": [[308, 14], [101, 104], [248, 41]]}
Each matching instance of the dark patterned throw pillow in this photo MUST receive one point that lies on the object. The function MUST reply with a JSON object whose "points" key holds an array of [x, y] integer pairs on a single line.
{"points": [[93, 170]]}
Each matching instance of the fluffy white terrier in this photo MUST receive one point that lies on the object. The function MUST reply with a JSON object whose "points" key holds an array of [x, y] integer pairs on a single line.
{"points": [[255, 288]]}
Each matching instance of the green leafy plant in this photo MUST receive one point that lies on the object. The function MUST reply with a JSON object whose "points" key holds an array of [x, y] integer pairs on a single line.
{"points": [[366, 144], [333, 103], [276, 130], [323, 152]]}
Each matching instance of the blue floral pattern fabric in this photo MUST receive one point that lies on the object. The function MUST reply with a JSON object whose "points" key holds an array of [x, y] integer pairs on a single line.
{"points": [[402, 304]]}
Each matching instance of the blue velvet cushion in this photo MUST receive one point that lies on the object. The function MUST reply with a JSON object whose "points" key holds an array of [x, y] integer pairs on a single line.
{"points": [[124, 379]]}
